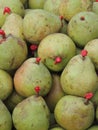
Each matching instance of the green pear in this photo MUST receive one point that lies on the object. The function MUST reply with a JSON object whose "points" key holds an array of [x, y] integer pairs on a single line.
{"points": [[15, 5], [6, 84], [13, 52], [57, 128], [14, 25], [31, 74], [55, 50], [69, 8], [36, 4], [73, 113], [31, 114], [95, 7], [5, 118], [52, 6], [83, 27], [39, 23], [79, 76], [92, 48], [94, 127], [55, 93], [13, 99]]}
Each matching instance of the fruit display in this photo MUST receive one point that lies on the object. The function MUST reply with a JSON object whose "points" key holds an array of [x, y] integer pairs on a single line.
{"points": [[48, 65]]}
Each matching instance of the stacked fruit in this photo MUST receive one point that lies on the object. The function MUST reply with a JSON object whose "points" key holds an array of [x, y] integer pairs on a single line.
{"points": [[48, 64]]}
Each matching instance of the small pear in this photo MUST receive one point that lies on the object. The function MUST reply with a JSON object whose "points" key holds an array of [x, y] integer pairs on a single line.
{"points": [[14, 25], [31, 114], [79, 76], [55, 93]]}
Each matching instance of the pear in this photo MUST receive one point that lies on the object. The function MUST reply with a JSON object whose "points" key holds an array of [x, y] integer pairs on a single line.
{"points": [[55, 93], [69, 8], [83, 28], [36, 4], [95, 7], [30, 74], [74, 113], [13, 52], [31, 114], [94, 127], [5, 118], [92, 48], [39, 23], [13, 99], [14, 25], [6, 84], [79, 76], [57, 128], [19, 9], [55, 50]]}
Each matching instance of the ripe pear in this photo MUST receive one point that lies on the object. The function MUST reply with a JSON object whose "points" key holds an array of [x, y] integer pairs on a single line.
{"points": [[6, 84], [79, 76], [55, 50], [69, 8], [31, 74], [73, 113], [13, 52], [39, 23], [14, 25], [31, 114], [36, 4], [5, 118], [83, 27], [55, 93], [94, 127], [92, 48], [15, 5]]}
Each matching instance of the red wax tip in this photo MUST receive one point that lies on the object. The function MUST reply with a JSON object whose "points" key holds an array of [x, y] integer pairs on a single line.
{"points": [[88, 95], [34, 47], [38, 59], [61, 17], [82, 18], [37, 89], [84, 53], [2, 33], [58, 60], [7, 10], [96, 0]]}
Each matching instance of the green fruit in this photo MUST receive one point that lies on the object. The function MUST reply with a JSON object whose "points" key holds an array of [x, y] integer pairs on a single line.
{"points": [[69, 8], [13, 100], [95, 7], [31, 74], [56, 46], [31, 114], [72, 113], [94, 127], [19, 9], [13, 52], [13, 25], [6, 84], [92, 48], [83, 27], [5, 118], [79, 76], [36, 4], [39, 23]]}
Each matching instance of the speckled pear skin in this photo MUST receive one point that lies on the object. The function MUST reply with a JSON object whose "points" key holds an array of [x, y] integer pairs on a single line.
{"points": [[42, 23], [32, 113]]}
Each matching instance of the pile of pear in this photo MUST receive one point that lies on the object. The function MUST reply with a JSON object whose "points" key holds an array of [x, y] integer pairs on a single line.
{"points": [[48, 65]]}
